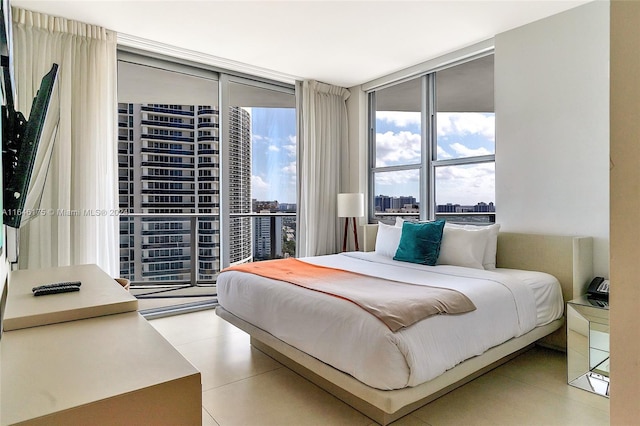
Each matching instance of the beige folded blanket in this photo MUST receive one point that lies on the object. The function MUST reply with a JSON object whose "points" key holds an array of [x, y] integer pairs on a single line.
{"points": [[397, 304]]}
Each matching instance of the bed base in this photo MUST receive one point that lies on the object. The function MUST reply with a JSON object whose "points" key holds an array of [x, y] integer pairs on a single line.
{"points": [[385, 406]]}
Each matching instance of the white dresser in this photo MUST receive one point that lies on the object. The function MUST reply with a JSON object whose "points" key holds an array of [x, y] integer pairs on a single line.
{"points": [[70, 359]]}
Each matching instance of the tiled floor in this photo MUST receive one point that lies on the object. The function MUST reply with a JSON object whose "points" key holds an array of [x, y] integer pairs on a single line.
{"points": [[243, 386]]}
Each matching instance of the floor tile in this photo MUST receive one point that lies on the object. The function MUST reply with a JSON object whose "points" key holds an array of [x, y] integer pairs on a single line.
{"points": [[180, 329], [408, 420], [226, 359], [547, 369], [279, 397], [207, 420], [243, 386], [500, 400]]}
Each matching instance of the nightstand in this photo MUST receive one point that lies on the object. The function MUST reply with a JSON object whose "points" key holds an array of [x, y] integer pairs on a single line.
{"points": [[588, 345]]}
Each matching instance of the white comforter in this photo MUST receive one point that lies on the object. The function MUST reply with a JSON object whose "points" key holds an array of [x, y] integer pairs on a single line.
{"points": [[350, 339]]}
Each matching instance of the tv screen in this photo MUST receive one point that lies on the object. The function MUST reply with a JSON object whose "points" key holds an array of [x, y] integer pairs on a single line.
{"points": [[27, 146]]}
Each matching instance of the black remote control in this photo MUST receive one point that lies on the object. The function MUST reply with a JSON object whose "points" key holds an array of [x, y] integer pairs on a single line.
{"points": [[55, 290], [56, 285]]}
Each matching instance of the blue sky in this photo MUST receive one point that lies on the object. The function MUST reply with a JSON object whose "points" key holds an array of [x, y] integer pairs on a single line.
{"points": [[398, 142], [273, 174]]}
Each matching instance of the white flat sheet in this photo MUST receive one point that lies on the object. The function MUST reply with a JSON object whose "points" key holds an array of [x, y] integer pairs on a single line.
{"points": [[546, 290], [348, 338]]}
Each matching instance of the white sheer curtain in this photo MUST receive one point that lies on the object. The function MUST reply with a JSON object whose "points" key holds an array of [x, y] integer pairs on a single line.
{"points": [[79, 198], [322, 148]]}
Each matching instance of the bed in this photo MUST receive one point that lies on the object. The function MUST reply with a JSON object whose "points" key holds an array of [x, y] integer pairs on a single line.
{"points": [[343, 355]]}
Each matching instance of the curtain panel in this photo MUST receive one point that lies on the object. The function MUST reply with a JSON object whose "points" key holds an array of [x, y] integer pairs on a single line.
{"points": [[79, 223], [322, 149]]}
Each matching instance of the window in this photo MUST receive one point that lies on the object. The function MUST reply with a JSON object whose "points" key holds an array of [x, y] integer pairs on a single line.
{"points": [[265, 117], [397, 150], [432, 143], [172, 147]]}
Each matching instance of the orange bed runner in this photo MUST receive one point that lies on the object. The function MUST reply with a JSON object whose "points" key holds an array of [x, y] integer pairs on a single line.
{"points": [[397, 304]]}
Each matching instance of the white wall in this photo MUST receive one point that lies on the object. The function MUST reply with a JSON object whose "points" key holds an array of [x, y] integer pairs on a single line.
{"points": [[552, 127]]}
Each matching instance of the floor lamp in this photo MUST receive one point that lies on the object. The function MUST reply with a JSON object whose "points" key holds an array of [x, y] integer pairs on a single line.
{"points": [[350, 205]]}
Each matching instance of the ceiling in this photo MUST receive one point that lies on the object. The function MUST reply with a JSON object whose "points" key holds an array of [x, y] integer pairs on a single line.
{"points": [[345, 43]]}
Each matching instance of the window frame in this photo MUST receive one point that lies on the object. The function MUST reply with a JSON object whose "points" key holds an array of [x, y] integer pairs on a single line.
{"points": [[223, 79], [429, 142]]}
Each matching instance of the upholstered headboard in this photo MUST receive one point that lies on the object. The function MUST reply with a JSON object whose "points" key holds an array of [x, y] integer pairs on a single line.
{"points": [[568, 258]]}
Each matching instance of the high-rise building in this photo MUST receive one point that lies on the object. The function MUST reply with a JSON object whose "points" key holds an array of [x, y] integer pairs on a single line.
{"points": [[448, 208], [241, 250], [271, 232], [382, 203], [386, 203], [484, 207], [169, 164], [267, 237]]}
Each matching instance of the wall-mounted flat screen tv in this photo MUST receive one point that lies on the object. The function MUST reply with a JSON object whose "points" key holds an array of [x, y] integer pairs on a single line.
{"points": [[23, 151]]}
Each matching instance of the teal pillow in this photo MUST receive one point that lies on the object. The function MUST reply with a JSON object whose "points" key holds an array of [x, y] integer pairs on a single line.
{"points": [[420, 242]]}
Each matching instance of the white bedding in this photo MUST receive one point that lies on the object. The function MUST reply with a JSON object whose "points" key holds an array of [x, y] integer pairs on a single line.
{"points": [[509, 303]]}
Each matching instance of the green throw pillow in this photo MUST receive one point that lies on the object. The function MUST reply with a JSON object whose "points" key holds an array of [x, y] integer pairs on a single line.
{"points": [[420, 242]]}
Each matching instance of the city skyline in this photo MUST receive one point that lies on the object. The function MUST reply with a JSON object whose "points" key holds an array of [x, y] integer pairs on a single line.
{"points": [[398, 141], [393, 204]]}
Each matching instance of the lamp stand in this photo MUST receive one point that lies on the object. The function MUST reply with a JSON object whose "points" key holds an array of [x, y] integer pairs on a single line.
{"points": [[355, 234]]}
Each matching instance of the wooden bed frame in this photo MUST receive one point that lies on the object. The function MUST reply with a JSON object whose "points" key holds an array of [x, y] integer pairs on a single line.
{"points": [[566, 257]]}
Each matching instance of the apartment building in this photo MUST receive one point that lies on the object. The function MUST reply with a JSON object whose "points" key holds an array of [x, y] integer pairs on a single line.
{"points": [[169, 190]]}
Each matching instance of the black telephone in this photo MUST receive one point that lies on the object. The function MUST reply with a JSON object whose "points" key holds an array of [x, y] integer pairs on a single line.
{"points": [[599, 288]]}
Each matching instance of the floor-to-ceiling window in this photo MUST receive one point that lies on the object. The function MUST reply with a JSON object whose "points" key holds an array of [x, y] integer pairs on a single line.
{"points": [[168, 152], [262, 193], [432, 145], [204, 157], [397, 149], [464, 155]]}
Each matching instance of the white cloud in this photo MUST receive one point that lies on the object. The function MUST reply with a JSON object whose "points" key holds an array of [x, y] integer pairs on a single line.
{"points": [[290, 148], [259, 188], [474, 123], [399, 118], [465, 172], [466, 185], [258, 183], [442, 154], [291, 168], [468, 152], [274, 148], [397, 148], [292, 171], [400, 177]]}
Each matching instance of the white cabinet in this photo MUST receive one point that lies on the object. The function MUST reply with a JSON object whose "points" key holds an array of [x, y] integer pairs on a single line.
{"points": [[107, 368]]}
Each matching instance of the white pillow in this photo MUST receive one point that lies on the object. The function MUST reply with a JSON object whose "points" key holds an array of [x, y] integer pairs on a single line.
{"points": [[400, 221], [463, 247], [387, 240], [489, 257]]}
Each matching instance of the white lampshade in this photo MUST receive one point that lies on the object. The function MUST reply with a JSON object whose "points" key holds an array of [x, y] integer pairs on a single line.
{"points": [[351, 205]]}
